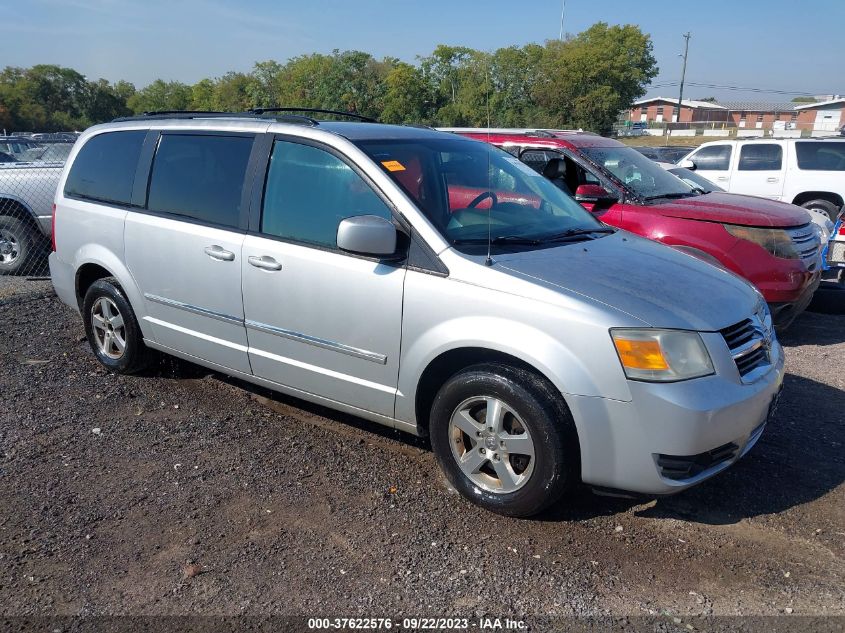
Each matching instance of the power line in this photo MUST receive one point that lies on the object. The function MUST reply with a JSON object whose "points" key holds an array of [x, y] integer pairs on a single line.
{"points": [[672, 84]]}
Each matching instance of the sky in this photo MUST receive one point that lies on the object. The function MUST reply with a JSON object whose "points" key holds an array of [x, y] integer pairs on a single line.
{"points": [[778, 45]]}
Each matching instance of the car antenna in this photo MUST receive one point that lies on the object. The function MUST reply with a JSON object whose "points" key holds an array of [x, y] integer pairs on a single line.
{"points": [[489, 260]]}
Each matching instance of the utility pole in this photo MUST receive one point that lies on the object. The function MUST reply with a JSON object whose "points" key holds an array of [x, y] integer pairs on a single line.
{"points": [[562, 11], [683, 75]]}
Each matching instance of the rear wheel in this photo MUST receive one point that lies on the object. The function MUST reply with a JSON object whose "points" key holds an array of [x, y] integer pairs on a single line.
{"points": [[112, 329], [823, 206], [505, 439]]}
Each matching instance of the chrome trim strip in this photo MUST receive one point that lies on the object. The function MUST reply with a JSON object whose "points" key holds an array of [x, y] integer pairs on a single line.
{"points": [[373, 357], [195, 309]]}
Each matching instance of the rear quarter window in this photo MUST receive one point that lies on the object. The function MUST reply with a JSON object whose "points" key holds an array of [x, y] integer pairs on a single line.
{"points": [[760, 157], [814, 156], [104, 168]]}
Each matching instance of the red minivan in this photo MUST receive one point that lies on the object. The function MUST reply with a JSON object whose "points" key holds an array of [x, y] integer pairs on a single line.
{"points": [[772, 244]]}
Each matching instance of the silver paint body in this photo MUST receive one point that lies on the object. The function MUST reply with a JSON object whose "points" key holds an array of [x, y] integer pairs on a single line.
{"points": [[356, 335]]}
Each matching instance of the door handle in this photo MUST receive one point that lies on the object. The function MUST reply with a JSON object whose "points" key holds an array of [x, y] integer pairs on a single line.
{"points": [[721, 178], [219, 253], [772, 179], [265, 262]]}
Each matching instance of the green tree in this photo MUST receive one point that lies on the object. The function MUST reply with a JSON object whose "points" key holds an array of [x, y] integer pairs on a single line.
{"points": [[161, 95], [233, 92], [406, 96], [803, 100], [202, 95], [587, 80]]}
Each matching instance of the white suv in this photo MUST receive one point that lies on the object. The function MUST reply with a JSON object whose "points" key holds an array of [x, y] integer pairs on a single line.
{"points": [[806, 172]]}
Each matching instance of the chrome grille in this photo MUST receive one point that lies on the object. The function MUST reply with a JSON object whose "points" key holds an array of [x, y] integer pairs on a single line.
{"points": [[807, 243], [750, 342]]}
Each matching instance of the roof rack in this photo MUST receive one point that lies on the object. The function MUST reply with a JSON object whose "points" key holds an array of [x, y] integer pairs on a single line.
{"points": [[212, 114], [351, 115], [540, 133]]}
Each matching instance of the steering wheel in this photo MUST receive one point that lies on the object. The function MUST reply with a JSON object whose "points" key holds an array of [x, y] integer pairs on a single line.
{"points": [[483, 196]]}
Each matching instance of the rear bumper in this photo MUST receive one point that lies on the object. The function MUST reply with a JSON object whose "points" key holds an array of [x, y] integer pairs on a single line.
{"points": [[64, 281]]}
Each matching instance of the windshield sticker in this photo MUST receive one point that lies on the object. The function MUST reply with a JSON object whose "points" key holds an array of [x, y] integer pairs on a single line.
{"points": [[393, 165]]}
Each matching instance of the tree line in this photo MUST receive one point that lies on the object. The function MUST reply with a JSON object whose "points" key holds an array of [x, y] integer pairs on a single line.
{"points": [[583, 81]]}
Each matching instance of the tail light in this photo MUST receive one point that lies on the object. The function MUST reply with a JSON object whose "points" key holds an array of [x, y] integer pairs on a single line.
{"points": [[53, 230]]}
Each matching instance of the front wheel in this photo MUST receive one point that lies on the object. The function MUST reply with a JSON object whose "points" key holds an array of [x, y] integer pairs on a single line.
{"points": [[505, 439]]}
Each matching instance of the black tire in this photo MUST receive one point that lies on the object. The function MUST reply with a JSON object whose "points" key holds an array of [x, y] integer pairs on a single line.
{"points": [[538, 407], [135, 356], [825, 206], [18, 246]]}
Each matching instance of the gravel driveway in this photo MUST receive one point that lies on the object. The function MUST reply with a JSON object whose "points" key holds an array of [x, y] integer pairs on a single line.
{"points": [[186, 492]]}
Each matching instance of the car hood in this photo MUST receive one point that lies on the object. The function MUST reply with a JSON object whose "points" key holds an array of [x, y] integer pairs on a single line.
{"points": [[648, 281], [732, 208]]}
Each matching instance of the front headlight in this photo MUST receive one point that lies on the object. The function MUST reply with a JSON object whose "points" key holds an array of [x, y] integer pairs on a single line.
{"points": [[775, 241], [661, 355]]}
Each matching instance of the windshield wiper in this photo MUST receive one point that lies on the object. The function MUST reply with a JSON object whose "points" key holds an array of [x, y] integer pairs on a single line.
{"points": [[672, 196], [573, 234], [500, 239]]}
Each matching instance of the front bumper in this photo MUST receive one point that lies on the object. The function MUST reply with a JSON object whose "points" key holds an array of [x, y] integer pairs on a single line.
{"points": [[783, 314], [624, 445]]}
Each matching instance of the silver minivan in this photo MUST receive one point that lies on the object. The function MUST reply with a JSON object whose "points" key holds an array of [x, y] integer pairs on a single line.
{"points": [[425, 281]]}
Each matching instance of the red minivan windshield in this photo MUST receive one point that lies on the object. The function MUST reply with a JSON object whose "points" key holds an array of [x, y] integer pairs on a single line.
{"points": [[639, 174], [466, 188]]}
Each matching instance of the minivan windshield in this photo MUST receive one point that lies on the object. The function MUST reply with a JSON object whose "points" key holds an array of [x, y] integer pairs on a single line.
{"points": [[466, 188], [640, 174]]}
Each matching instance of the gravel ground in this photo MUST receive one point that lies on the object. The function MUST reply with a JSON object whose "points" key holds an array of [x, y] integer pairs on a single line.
{"points": [[185, 492]]}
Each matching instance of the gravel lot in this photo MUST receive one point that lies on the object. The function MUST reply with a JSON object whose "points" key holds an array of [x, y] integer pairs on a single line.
{"points": [[186, 492]]}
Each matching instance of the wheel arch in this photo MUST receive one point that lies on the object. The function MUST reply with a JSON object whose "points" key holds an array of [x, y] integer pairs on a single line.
{"points": [[448, 363], [806, 196], [17, 208], [95, 262]]}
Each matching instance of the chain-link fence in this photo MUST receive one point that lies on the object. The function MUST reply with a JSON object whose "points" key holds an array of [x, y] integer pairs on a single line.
{"points": [[29, 173]]}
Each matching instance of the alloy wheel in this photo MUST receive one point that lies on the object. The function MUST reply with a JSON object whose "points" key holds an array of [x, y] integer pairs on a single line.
{"points": [[9, 247], [491, 444], [108, 327]]}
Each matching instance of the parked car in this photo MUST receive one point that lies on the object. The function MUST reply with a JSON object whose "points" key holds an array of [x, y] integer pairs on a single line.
{"points": [[49, 152], [834, 253], [771, 244], [17, 146], [349, 264], [664, 153], [806, 172], [26, 197], [694, 180]]}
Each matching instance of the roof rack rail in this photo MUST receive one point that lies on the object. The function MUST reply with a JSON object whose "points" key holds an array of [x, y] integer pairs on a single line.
{"points": [[180, 114], [351, 115], [540, 133], [212, 114], [421, 126]]}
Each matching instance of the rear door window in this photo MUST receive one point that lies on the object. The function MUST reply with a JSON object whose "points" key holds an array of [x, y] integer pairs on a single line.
{"points": [[760, 157], [200, 176], [713, 157], [820, 156], [104, 169]]}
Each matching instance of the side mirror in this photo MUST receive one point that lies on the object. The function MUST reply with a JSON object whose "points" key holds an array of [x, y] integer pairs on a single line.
{"points": [[367, 235], [687, 164], [595, 194]]}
